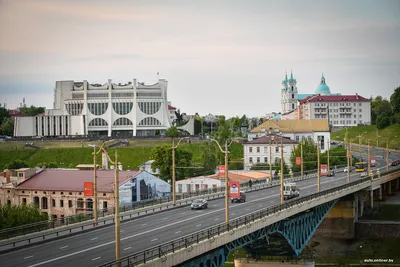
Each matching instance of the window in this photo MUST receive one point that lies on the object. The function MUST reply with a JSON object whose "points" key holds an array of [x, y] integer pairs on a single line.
{"points": [[258, 160], [355, 110], [24, 201], [359, 104], [53, 203], [292, 106], [297, 138], [250, 149], [360, 110], [355, 122], [265, 149], [292, 94], [258, 149], [266, 159], [250, 160], [277, 149], [70, 193], [69, 203], [360, 115], [61, 203], [21, 174], [355, 104], [8, 202], [105, 205], [79, 203]]}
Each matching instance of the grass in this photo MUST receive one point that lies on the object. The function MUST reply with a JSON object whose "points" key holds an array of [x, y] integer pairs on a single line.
{"points": [[371, 134], [387, 212], [131, 156]]}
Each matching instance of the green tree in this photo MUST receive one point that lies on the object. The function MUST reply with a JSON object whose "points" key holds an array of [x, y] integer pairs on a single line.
{"points": [[162, 156], [383, 121], [32, 110], [16, 215], [7, 127], [309, 156], [16, 164], [395, 100], [3, 114], [52, 165], [209, 160], [337, 156], [172, 132], [380, 107]]}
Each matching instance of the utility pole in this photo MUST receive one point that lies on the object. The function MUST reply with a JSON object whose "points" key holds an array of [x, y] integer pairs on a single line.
{"points": [[328, 154], [387, 155], [270, 159], [377, 138], [319, 169], [369, 159], [281, 172], [116, 195], [348, 161], [301, 154], [226, 184], [95, 185], [173, 173]]}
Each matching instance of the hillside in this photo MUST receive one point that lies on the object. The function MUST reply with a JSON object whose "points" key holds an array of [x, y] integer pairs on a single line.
{"points": [[371, 134], [65, 156]]}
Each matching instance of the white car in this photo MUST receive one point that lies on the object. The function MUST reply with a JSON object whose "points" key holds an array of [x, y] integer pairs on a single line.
{"points": [[346, 169], [364, 174]]}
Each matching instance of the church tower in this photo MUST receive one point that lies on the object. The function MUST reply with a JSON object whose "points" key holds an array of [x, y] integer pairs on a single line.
{"points": [[288, 94]]}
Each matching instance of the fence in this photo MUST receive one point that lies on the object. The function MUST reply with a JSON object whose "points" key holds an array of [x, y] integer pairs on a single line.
{"points": [[188, 241]]}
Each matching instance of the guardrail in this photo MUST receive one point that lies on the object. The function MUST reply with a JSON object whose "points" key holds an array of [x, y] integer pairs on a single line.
{"points": [[138, 208], [162, 250]]}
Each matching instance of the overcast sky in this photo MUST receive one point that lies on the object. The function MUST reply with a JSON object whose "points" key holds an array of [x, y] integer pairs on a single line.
{"points": [[219, 57]]}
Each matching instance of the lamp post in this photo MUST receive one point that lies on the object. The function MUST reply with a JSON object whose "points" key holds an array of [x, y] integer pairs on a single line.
{"points": [[94, 185], [369, 158], [359, 143], [173, 168], [387, 151], [116, 200], [281, 176], [301, 156], [319, 168], [226, 152], [328, 154]]}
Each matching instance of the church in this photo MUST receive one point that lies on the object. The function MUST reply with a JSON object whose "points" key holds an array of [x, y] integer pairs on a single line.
{"points": [[340, 110]]}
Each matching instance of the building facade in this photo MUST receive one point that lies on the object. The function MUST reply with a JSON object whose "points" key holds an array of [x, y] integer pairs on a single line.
{"points": [[196, 184], [288, 94], [118, 110], [267, 149]]}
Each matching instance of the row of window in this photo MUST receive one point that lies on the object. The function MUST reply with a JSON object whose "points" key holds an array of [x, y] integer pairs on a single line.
{"points": [[149, 108], [121, 108], [51, 125], [149, 121], [258, 160], [346, 122], [258, 149]]}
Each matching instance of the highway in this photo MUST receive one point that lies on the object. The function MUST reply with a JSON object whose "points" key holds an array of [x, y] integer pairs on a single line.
{"points": [[96, 247]]}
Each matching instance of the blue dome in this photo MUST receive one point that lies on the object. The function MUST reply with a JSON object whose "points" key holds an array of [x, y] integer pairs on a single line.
{"points": [[322, 88]]}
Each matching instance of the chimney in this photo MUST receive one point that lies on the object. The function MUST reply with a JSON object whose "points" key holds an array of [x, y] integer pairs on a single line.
{"points": [[142, 168], [7, 176], [104, 161]]}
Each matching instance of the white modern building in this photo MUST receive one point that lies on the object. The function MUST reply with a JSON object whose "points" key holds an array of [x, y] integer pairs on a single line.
{"points": [[296, 130], [266, 149], [197, 184], [110, 109]]}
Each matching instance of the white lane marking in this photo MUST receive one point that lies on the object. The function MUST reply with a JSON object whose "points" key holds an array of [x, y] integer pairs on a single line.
{"points": [[144, 224], [177, 232], [127, 248], [260, 205], [215, 205], [164, 218], [93, 239], [155, 239], [247, 209], [122, 231], [232, 213], [198, 225], [96, 258], [216, 219], [63, 247], [28, 257], [162, 227]]}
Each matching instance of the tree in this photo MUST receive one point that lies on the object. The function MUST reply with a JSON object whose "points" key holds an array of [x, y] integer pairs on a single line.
{"points": [[162, 156], [3, 114], [383, 121], [209, 160], [7, 127], [309, 156], [52, 165], [395, 100], [380, 107], [172, 132], [16, 164], [32, 110], [337, 156], [13, 215]]}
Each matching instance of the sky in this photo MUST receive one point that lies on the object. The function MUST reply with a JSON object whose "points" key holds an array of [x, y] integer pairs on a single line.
{"points": [[224, 57]]}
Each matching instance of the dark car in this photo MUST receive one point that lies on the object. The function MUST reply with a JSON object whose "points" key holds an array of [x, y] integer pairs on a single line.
{"points": [[199, 204], [331, 173], [395, 162], [240, 198]]}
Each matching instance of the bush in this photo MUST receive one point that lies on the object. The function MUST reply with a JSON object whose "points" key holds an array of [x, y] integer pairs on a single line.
{"points": [[383, 121], [16, 215]]}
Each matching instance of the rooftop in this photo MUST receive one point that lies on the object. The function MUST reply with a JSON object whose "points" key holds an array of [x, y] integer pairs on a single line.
{"points": [[329, 98], [297, 126], [72, 180], [242, 176], [266, 140]]}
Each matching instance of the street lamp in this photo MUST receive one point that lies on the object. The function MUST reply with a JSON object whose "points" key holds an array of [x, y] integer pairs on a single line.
{"points": [[387, 151], [173, 167], [94, 184], [116, 199], [226, 152], [359, 143], [318, 167], [272, 138]]}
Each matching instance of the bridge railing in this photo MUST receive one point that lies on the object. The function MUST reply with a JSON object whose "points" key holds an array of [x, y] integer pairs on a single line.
{"points": [[188, 241]]}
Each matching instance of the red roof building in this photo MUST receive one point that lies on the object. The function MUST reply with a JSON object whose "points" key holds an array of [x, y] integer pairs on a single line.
{"points": [[15, 113]]}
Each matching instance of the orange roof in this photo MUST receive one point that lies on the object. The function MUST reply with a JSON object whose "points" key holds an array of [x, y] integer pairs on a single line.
{"points": [[244, 176]]}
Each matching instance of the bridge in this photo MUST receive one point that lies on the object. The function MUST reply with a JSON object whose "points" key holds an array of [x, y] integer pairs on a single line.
{"points": [[195, 238]]}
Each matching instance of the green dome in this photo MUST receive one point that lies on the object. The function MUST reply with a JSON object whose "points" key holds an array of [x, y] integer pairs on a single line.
{"points": [[322, 88]]}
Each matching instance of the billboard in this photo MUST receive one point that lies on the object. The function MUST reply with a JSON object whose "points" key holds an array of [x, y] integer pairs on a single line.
{"points": [[298, 160], [324, 169], [234, 189], [88, 189], [373, 161], [221, 169]]}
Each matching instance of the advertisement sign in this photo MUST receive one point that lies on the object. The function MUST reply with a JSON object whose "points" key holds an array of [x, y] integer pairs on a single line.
{"points": [[234, 189], [88, 189], [324, 169], [348, 154], [298, 160], [221, 169], [373, 161]]}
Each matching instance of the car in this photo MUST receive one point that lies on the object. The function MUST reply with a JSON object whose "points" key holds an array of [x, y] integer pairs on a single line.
{"points": [[331, 173], [395, 162], [199, 204], [240, 198], [364, 174], [347, 170]]}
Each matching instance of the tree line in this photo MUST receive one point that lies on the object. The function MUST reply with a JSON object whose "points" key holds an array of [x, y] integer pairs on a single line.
{"points": [[385, 112], [7, 123]]}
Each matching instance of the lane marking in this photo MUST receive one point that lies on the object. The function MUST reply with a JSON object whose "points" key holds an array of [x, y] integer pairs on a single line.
{"points": [[144, 224], [246, 209], [177, 232], [216, 219], [162, 218], [127, 248], [63, 247], [168, 225], [122, 231], [93, 239], [232, 213], [155, 239], [183, 213], [28, 257], [96, 258], [198, 225]]}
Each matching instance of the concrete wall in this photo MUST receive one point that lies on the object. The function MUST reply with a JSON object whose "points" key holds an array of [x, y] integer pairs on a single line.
{"points": [[340, 221], [252, 263], [377, 229]]}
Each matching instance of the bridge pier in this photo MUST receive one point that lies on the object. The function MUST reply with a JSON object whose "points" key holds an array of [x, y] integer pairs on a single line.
{"points": [[397, 184], [380, 193], [371, 198]]}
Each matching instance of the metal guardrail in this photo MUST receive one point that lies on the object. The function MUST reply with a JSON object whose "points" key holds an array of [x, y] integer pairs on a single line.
{"points": [[188, 241]]}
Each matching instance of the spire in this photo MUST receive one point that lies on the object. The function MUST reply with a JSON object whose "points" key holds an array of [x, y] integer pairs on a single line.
{"points": [[323, 79], [286, 76], [291, 75]]}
